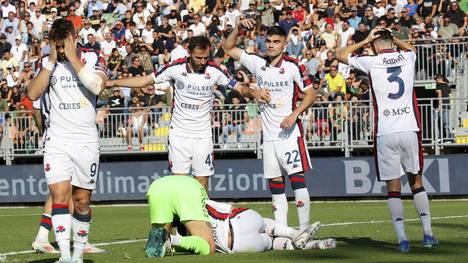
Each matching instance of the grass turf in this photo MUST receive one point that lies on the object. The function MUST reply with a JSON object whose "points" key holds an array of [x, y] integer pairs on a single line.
{"points": [[363, 242]]}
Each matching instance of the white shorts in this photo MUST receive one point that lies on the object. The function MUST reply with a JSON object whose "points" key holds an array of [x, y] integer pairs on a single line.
{"points": [[76, 163], [249, 233], [285, 157], [398, 154], [191, 155]]}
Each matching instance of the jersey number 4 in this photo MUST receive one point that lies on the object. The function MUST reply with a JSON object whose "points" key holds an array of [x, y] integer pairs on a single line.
{"points": [[394, 77]]}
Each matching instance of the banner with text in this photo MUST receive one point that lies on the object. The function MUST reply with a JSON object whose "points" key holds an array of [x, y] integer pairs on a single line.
{"points": [[242, 178]]}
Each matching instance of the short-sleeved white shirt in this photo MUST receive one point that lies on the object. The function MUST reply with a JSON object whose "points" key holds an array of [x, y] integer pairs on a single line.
{"points": [[193, 96], [69, 109], [391, 75], [284, 81]]}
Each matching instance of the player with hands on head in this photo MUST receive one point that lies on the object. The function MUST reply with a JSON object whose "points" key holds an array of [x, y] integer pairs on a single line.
{"points": [[67, 83], [397, 136]]}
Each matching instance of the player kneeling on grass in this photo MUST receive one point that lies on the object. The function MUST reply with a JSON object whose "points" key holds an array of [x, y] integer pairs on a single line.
{"points": [[238, 230], [178, 198]]}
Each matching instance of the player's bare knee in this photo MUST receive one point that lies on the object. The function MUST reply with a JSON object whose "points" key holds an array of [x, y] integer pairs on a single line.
{"points": [[81, 202], [415, 181]]}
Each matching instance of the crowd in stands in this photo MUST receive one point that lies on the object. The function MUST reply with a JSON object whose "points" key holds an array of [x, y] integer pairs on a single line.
{"points": [[138, 36]]}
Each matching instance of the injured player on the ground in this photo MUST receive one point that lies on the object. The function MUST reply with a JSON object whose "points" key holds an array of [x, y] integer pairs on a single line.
{"points": [[237, 230]]}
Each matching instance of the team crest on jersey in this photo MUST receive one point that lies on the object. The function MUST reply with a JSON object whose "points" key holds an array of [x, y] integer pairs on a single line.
{"points": [[184, 74], [207, 76], [47, 167], [179, 85], [281, 71]]}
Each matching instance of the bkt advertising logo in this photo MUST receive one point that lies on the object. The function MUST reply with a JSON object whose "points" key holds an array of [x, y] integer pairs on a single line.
{"points": [[396, 112]]}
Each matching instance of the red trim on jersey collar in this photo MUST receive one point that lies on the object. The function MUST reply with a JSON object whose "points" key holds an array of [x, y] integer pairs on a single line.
{"points": [[388, 50], [277, 64]]}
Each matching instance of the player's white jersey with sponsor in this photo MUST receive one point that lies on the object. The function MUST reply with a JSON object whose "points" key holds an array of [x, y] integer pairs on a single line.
{"points": [[284, 81], [392, 75], [193, 96], [219, 218], [69, 108]]}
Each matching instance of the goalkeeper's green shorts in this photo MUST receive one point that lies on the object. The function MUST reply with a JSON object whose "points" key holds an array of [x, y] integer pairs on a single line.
{"points": [[178, 197]]}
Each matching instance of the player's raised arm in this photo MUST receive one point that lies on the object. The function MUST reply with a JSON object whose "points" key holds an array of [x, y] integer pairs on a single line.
{"points": [[95, 82], [229, 44], [403, 45], [39, 84], [342, 54]]}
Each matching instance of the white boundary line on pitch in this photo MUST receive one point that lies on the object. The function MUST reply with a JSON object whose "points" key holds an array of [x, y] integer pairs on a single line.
{"points": [[247, 202], [323, 225]]}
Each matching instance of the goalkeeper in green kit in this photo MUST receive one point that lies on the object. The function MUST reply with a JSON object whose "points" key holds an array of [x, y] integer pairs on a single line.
{"points": [[178, 198]]}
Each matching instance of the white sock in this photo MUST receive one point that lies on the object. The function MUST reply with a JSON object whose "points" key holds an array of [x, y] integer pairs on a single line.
{"points": [[44, 228], [175, 240], [312, 244], [81, 226], [395, 206], [421, 202], [282, 243], [280, 208], [61, 222], [302, 199], [273, 229]]}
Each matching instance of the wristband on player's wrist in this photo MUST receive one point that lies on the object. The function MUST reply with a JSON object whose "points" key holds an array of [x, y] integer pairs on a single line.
{"points": [[49, 66]]}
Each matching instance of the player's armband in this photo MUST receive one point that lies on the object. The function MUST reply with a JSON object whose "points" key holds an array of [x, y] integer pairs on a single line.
{"points": [[90, 80]]}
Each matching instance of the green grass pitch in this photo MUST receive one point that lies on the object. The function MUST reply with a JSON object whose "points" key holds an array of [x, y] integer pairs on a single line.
{"points": [[361, 241]]}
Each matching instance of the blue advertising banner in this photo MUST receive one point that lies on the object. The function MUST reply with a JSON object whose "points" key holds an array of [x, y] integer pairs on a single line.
{"points": [[242, 178]]}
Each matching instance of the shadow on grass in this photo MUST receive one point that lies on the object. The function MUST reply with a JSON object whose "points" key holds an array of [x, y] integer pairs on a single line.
{"points": [[451, 225]]}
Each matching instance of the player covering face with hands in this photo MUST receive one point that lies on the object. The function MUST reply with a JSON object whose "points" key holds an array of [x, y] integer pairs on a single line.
{"points": [[68, 83], [284, 151]]}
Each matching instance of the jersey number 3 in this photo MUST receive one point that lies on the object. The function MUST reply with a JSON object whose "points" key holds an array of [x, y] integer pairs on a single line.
{"points": [[394, 72]]}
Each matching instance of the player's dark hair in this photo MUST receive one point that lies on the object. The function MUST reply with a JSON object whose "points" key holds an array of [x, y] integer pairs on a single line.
{"points": [[276, 31], [200, 42], [60, 30], [385, 36]]}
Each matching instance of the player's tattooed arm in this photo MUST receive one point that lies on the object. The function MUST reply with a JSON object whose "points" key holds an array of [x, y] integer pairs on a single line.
{"points": [[308, 100]]}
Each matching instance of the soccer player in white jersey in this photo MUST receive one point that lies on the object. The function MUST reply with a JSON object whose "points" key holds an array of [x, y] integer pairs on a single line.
{"points": [[238, 230], [72, 79], [284, 151], [41, 242], [190, 135], [397, 128]]}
